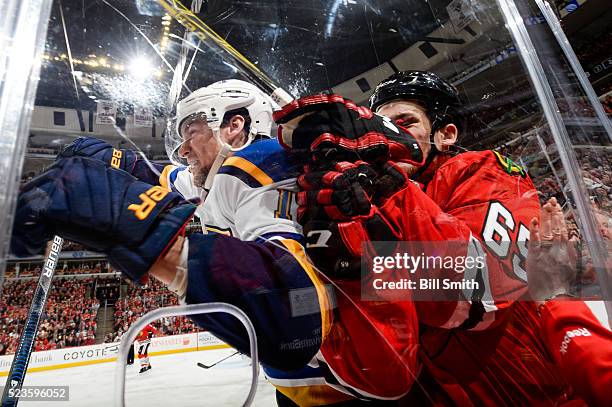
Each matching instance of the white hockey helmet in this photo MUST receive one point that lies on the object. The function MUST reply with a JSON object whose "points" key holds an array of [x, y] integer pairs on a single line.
{"points": [[210, 103]]}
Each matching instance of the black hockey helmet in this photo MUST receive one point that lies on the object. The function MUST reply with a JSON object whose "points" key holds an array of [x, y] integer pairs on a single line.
{"points": [[440, 98]]}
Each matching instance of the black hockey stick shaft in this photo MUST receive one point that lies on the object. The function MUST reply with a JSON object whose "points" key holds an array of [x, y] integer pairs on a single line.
{"points": [[202, 365], [16, 375]]}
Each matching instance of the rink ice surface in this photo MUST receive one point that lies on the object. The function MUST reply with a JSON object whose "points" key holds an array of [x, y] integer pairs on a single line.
{"points": [[174, 380]]}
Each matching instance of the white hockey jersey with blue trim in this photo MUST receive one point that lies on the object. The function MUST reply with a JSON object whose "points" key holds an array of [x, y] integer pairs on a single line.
{"points": [[252, 196]]}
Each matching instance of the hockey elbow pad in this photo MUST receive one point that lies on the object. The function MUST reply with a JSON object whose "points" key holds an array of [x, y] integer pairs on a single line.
{"points": [[105, 209], [121, 159]]}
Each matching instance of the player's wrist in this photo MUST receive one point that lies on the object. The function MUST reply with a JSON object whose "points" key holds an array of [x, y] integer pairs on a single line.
{"points": [[179, 284], [165, 267]]}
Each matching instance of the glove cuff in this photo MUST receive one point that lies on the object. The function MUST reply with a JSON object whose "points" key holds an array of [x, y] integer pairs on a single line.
{"points": [[352, 234], [135, 261]]}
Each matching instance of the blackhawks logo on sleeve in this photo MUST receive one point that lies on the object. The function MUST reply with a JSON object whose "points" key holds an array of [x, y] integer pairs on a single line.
{"points": [[509, 166]]}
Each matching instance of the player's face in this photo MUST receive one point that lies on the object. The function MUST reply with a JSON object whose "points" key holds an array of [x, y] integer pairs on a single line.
{"points": [[199, 148], [410, 115], [604, 222]]}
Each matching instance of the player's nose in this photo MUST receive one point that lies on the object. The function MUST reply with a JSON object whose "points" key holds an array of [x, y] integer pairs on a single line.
{"points": [[184, 149]]}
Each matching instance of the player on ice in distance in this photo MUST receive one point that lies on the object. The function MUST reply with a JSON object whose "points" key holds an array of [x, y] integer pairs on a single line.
{"points": [[144, 342]]}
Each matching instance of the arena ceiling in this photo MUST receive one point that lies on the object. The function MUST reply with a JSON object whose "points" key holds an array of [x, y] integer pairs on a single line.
{"points": [[125, 50], [306, 46]]}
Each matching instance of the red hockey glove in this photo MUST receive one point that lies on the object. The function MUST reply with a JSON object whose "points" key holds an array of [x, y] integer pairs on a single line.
{"points": [[338, 212], [347, 190], [330, 128], [340, 193]]}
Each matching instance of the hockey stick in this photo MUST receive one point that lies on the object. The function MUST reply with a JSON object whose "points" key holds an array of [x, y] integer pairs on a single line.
{"points": [[203, 366], [207, 35], [16, 375]]}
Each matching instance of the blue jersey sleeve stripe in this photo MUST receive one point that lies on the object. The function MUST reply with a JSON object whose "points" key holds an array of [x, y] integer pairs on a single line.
{"points": [[269, 156], [241, 175]]}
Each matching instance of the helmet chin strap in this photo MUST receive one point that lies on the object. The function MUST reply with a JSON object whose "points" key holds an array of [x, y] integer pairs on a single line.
{"points": [[433, 151], [214, 168], [225, 151]]}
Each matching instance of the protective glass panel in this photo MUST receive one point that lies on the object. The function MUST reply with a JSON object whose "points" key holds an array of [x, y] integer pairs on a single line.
{"points": [[331, 327], [583, 150]]}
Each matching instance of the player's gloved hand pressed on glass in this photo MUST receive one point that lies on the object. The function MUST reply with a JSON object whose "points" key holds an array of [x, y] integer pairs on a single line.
{"points": [[329, 128], [105, 209], [122, 159]]}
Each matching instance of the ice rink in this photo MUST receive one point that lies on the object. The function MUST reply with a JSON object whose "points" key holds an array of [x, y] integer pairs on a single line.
{"points": [[174, 380]]}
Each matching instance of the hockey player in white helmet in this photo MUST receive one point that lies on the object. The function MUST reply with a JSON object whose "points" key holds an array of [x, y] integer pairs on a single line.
{"points": [[221, 153], [221, 149], [215, 121]]}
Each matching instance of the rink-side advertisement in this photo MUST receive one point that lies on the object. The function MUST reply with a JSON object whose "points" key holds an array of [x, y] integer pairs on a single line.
{"points": [[107, 352]]}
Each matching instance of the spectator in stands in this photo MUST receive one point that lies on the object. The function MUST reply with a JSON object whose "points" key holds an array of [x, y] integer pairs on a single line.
{"points": [[66, 304], [70, 313]]}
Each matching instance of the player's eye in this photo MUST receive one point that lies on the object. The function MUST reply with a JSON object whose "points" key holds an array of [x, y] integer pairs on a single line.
{"points": [[406, 121]]}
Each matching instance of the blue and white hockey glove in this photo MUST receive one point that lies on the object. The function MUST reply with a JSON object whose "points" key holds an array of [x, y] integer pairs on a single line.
{"points": [[122, 159], [105, 209]]}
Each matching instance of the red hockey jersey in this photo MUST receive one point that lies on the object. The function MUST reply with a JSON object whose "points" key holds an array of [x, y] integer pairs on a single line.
{"points": [[147, 333], [477, 199], [483, 352]]}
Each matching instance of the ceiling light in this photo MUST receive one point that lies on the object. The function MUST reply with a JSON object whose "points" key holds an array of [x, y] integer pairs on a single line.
{"points": [[141, 68]]}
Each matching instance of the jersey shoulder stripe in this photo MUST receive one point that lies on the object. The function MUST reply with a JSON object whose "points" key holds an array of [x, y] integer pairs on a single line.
{"points": [[262, 163], [169, 179], [164, 177], [251, 174], [174, 174]]}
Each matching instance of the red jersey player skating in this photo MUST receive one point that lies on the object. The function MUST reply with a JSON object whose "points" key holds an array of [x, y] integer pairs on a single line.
{"points": [[144, 341]]}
